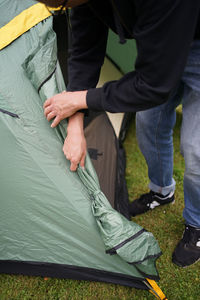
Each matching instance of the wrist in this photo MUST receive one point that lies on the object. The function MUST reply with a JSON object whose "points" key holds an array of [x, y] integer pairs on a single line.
{"points": [[75, 124], [80, 100]]}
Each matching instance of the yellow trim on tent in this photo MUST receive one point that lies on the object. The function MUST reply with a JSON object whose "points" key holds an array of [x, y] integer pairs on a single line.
{"points": [[56, 8], [22, 23], [156, 291]]}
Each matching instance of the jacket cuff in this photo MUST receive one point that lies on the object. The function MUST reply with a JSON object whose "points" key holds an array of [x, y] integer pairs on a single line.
{"points": [[84, 111], [93, 99]]}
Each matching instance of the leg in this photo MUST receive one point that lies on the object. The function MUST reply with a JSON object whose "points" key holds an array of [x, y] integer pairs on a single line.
{"points": [[188, 249], [190, 147], [155, 137]]}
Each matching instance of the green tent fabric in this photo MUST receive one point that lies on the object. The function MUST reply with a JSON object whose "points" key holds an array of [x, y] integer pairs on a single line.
{"points": [[125, 238], [123, 55], [54, 222]]}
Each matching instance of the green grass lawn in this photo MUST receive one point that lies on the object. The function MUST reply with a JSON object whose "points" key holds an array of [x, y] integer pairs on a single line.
{"points": [[166, 223]]}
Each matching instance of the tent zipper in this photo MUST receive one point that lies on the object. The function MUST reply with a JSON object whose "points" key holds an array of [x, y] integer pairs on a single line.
{"points": [[48, 77], [9, 113], [114, 249]]}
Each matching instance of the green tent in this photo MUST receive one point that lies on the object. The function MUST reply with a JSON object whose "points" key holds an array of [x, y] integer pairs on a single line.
{"points": [[54, 222], [122, 55]]}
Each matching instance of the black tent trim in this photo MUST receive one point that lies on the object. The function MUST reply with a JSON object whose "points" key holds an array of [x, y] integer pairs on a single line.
{"points": [[42, 269], [9, 113], [114, 249], [153, 277], [148, 257], [46, 79], [121, 191]]}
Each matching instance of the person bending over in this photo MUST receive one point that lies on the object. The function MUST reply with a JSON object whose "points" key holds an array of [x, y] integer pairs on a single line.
{"points": [[166, 72]]}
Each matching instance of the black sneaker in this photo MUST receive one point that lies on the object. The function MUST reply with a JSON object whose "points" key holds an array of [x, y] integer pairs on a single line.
{"points": [[149, 201], [187, 252]]}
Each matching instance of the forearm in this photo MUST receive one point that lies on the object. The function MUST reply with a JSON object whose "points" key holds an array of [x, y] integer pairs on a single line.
{"points": [[74, 147], [75, 124]]}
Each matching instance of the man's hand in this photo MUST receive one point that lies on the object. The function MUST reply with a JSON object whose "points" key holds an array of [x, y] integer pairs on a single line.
{"points": [[75, 144], [64, 105]]}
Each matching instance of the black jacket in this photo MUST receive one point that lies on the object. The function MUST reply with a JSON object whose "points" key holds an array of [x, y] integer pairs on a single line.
{"points": [[163, 30]]}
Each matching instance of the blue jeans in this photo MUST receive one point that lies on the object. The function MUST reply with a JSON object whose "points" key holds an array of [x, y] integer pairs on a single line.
{"points": [[155, 138]]}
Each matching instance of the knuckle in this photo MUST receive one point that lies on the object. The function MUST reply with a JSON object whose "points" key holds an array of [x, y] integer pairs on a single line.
{"points": [[66, 153], [74, 160]]}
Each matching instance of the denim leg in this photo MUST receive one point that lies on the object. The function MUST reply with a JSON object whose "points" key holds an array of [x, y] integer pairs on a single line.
{"points": [[190, 137], [154, 129], [190, 147]]}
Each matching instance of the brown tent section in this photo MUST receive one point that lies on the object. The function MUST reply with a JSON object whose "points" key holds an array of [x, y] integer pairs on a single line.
{"points": [[108, 158], [101, 142], [105, 133]]}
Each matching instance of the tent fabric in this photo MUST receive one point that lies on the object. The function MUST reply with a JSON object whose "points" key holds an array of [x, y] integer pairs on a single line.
{"points": [[121, 236], [46, 222], [22, 22]]}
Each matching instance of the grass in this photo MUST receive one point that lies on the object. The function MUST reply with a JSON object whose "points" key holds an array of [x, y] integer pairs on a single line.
{"points": [[166, 223]]}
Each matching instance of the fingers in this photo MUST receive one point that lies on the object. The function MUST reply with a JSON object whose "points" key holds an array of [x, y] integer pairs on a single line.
{"points": [[47, 103], [56, 121], [82, 162], [74, 165], [51, 115], [61, 106], [54, 108], [75, 148], [75, 161], [47, 110]]}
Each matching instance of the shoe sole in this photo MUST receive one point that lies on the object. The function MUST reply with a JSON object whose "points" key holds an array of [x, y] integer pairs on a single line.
{"points": [[179, 265], [163, 204], [150, 209]]}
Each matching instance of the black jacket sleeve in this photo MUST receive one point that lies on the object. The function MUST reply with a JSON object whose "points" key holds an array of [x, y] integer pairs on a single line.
{"points": [[88, 47], [164, 31]]}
